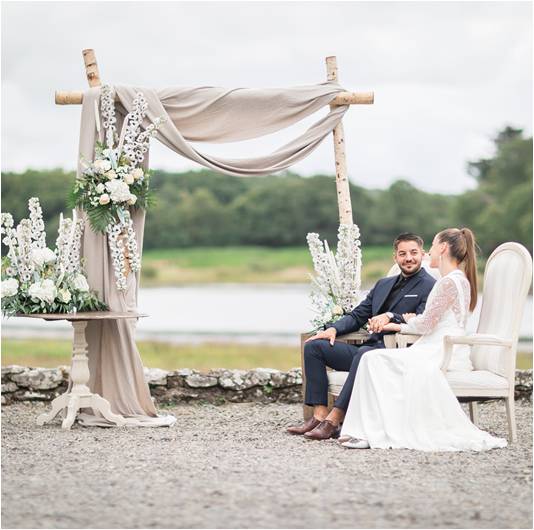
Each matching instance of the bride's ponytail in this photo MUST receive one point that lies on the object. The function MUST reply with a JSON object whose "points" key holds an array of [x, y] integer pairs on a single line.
{"points": [[462, 248], [470, 265]]}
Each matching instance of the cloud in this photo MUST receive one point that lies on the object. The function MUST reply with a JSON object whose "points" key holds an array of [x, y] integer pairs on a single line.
{"points": [[446, 75]]}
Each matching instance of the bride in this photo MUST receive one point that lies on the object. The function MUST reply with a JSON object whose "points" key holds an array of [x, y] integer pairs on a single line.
{"points": [[401, 398]]}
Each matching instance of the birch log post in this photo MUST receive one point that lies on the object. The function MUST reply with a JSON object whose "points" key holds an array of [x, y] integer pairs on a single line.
{"points": [[91, 68], [342, 180]]}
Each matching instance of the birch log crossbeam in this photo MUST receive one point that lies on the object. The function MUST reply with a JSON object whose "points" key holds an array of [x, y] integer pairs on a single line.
{"points": [[343, 98]]}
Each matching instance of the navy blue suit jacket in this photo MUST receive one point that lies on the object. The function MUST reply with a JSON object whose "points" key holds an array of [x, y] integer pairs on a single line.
{"points": [[410, 299]]}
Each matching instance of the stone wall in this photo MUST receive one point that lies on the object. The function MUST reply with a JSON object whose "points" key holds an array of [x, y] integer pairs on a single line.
{"points": [[266, 385]]}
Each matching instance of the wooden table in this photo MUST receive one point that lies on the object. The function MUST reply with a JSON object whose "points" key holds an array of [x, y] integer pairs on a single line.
{"points": [[79, 395]]}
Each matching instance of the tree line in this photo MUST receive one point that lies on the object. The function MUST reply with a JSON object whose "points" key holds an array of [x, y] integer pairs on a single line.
{"points": [[204, 208]]}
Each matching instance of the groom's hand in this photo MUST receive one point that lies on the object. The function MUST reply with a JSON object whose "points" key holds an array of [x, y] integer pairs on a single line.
{"points": [[376, 324], [328, 334]]}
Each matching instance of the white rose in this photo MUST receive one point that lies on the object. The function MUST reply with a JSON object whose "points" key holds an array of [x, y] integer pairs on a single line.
{"points": [[337, 310], [45, 291], [132, 199], [137, 173], [10, 287], [102, 166], [64, 296], [104, 199], [100, 188], [111, 174], [129, 178], [42, 256], [118, 190], [80, 283]]}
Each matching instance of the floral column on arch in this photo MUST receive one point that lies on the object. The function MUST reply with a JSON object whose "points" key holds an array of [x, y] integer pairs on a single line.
{"points": [[336, 286], [115, 182]]}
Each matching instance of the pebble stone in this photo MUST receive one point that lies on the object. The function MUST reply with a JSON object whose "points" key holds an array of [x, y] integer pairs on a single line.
{"points": [[234, 466]]}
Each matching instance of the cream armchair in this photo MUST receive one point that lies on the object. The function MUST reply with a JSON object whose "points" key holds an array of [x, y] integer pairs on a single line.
{"points": [[507, 280]]}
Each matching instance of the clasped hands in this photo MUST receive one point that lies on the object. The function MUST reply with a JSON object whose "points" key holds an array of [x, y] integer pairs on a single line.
{"points": [[381, 323], [376, 324]]}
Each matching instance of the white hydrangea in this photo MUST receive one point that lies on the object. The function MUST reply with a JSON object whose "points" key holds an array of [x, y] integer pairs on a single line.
{"points": [[42, 256], [10, 287], [44, 290], [118, 191], [100, 188], [79, 282]]}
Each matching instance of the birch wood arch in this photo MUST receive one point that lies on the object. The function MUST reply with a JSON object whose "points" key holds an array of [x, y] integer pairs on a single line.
{"points": [[340, 99]]}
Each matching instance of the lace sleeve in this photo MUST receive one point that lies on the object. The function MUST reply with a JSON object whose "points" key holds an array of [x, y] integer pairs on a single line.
{"points": [[440, 301]]}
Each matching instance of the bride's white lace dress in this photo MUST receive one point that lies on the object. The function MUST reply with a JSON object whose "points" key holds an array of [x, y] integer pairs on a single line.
{"points": [[401, 398]]}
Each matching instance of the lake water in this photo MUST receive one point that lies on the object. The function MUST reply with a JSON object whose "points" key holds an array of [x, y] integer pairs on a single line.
{"points": [[274, 314]]}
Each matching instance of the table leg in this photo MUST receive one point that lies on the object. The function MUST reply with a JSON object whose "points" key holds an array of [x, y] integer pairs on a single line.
{"points": [[72, 409], [80, 396], [58, 405]]}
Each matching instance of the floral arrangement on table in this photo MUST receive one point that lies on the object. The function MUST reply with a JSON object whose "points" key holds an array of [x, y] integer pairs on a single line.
{"points": [[36, 279], [336, 284], [115, 181]]}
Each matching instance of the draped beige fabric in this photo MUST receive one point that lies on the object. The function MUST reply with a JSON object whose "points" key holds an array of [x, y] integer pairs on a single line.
{"points": [[217, 115], [205, 114]]}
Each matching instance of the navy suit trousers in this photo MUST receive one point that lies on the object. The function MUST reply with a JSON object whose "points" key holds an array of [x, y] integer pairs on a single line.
{"points": [[343, 357]]}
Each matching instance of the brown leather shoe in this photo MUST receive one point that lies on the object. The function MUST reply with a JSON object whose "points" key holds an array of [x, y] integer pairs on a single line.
{"points": [[308, 425], [324, 431]]}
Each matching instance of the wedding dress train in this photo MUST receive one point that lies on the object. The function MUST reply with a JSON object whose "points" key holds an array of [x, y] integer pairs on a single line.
{"points": [[401, 398]]}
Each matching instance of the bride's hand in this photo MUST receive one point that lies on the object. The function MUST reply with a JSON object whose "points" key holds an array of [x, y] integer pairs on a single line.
{"points": [[408, 316], [391, 327]]}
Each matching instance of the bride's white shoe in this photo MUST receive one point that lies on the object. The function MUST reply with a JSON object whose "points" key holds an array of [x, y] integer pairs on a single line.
{"points": [[356, 443]]}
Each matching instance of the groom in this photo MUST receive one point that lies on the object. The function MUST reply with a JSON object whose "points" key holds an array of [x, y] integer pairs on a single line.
{"points": [[389, 299]]}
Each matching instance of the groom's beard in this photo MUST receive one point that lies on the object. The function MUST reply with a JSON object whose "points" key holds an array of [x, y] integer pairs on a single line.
{"points": [[411, 269]]}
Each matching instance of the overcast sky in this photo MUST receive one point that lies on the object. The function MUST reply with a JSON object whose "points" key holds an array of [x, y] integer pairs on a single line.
{"points": [[446, 76]]}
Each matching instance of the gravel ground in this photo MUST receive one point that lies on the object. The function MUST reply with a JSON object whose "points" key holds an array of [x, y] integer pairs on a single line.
{"points": [[233, 466]]}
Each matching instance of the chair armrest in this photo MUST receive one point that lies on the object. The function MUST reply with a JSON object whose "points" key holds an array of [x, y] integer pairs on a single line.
{"points": [[403, 339], [360, 336], [476, 339]]}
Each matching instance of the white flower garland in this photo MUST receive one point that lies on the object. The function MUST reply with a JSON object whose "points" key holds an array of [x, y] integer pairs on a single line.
{"points": [[133, 144], [336, 285], [121, 253]]}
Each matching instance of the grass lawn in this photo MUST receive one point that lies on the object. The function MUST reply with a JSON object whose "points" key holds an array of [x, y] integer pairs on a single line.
{"points": [[52, 353], [245, 265]]}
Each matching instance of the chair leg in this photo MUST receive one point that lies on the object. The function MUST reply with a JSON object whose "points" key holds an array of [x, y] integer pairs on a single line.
{"points": [[473, 411], [510, 413], [331, 399]]}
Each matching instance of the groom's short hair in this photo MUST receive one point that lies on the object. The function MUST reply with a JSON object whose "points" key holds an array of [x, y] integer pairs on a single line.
{"points": [[408, 236]]}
